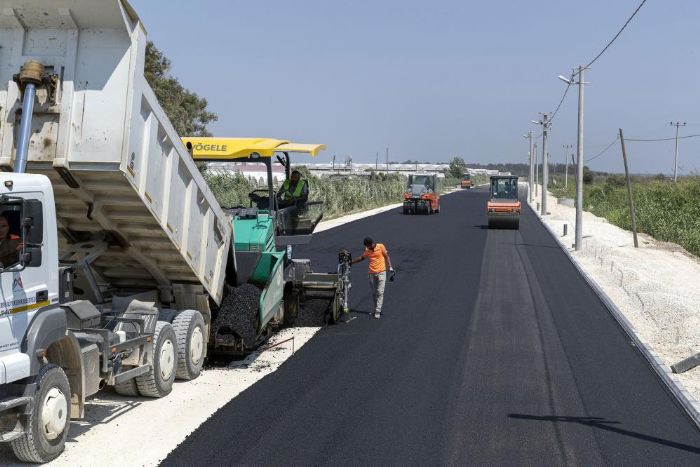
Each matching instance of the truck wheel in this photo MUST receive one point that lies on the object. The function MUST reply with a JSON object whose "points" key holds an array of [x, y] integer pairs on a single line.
{"points": [[127, 388], [189, 329], [159, 381], [47, 425]]}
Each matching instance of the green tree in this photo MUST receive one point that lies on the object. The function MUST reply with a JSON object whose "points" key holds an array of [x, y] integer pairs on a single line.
{"points": [[457, 167], [186, 110], [587, 175]]}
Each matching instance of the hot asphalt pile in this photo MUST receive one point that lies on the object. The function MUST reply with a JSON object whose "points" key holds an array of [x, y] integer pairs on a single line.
{"points": [[238, 314], [313, 312]]}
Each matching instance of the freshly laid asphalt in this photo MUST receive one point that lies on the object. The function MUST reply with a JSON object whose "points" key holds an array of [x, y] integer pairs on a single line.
{"points": [[491, 350]]}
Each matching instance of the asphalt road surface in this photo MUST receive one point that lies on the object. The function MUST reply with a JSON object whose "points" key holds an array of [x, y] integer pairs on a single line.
{"points": [[492, 350]]}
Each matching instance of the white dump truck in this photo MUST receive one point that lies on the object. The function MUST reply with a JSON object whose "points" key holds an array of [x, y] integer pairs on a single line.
{"points": [[112, 247], [115, 259]]}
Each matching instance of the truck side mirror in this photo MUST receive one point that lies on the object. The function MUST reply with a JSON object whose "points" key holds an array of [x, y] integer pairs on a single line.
{"points": [[33, 222], [31, 258]]}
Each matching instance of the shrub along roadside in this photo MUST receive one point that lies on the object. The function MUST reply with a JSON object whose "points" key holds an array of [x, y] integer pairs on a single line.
{"points": [[665, 210]]}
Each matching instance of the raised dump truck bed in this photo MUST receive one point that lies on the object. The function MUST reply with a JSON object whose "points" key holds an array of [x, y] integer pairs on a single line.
{"points": [[119, 171]]}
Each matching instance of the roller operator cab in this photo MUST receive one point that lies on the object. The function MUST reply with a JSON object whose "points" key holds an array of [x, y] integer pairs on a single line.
{"points": [[422, 194], [503, 207]]}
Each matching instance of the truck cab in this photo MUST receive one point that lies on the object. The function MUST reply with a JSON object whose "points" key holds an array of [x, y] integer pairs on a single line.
{"points": [[29, 273]]}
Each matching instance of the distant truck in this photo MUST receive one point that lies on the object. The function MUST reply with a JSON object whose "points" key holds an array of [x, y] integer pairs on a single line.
{"points": [[120, 257], [422, 194], [503, 207], [466, 181]]}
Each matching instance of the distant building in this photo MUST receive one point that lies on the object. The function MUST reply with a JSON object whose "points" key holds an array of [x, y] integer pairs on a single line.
{"points": [[360, 168]]}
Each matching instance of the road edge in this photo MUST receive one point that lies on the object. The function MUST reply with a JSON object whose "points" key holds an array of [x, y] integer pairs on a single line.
{"points": [[686, 400]]}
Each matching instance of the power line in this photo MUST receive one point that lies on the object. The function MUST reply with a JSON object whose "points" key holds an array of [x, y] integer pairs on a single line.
{"points": [[638, 140], [605, 150], [554, 114], [661, 139], [614, 38], [607, 46]]}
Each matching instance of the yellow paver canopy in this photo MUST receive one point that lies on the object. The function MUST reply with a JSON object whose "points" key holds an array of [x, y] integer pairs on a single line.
{"points": [[231, 149]]}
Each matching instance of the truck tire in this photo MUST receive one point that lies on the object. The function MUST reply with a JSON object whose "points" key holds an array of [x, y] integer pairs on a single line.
{"points": [[127, 388], [158, 382], [48, 423], [189, 329]]}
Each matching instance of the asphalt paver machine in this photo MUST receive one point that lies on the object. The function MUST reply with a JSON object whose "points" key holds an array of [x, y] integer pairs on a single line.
{"points": [[291, 292]]}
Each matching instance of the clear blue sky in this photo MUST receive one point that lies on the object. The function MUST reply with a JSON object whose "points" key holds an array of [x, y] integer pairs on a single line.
{"points": [[432, 80]]}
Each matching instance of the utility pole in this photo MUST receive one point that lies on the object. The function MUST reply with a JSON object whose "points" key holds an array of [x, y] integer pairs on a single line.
{"points": [[579, 168], [675, 159], [633, 215], [387, 160], [545, 160], [573, 162], [333, 162], [376, 162], [566, 164], [537, 169], [531, 178]]}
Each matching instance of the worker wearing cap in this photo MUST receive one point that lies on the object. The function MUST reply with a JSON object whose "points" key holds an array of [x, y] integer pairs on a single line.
{"points": [[9, 244], [378, 261], [294, 191]]}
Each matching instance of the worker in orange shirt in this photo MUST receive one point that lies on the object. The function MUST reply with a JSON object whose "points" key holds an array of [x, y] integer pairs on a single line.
{"points": [[378, 261]]}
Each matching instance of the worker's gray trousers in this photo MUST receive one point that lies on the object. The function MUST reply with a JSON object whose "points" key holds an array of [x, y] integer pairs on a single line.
{"points": [[376, 283]]}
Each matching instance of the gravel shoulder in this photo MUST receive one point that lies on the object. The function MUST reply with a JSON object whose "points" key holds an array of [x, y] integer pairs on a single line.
{"points": [[141, 431], [653, 285]]}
